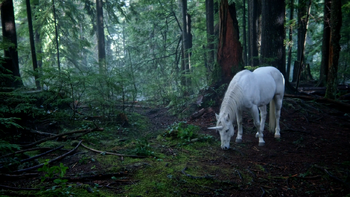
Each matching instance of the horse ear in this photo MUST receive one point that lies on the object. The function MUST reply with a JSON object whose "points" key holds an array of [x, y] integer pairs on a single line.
{"points": [[228, 117], [217, 116]]}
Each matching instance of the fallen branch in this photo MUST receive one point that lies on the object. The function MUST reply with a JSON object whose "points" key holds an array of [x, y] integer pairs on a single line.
{"points": [[26, 150], [42, 154], [196, 177], [109, 153], [16, 176], [263, 192], [59, 135], [338, 104], [40, 132], [53, 160], [17, 188], [332, 176], [96, 177]]}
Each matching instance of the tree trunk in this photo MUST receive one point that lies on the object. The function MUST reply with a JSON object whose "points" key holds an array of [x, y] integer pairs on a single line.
{"points": [[272, 36], [301, 50], [334, 49], [244, 36], [32, 45], [10, 65], [56, 32], [229, 53], [302, 12], [325, 43], [209, 6], [100, 37], [254, 25], [186, 42], [291, 12]]}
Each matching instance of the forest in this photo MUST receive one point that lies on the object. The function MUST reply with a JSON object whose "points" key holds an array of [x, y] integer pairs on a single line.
{"points": [[115, 97]]}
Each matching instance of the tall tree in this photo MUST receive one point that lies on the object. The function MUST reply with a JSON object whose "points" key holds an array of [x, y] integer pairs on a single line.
{"points": [[254, 32], [290, 38], [10, 62], [100, 37], [32, 44], [186, 40], [334, 49], [229, 54], [209, 6], [325, 43], [56, 35], [302, 12], [273, 34], [244, 35]]}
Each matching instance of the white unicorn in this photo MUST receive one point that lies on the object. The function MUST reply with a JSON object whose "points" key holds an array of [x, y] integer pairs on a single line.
{"points": [[250, 91]]}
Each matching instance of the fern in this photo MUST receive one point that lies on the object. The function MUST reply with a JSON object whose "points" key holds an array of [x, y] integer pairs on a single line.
{"points": [[6, 146]]}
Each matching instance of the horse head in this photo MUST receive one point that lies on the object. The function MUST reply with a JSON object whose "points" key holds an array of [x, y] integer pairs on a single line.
{"points": [[225, 128]]}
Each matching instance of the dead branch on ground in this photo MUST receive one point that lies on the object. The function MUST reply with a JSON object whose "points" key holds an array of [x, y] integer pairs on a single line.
{"points": [[109, 153], [345, 107], [96, 177], [53, 160], [42, 154], [59, 135], [26, 150]]}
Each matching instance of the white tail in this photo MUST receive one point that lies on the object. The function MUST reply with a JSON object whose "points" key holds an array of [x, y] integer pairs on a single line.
{"points": [[272, 116]]}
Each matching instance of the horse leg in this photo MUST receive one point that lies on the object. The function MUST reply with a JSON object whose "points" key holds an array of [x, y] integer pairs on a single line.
{"points": [[240, 127], [259, 125], [278, 103]]}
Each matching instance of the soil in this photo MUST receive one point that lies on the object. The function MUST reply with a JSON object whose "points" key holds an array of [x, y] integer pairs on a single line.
{"points": [[312, 157]]}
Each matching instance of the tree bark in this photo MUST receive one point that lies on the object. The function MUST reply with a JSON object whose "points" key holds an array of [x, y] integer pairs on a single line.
{"points": [[334, 49], [244, 36], [291, 13], [32, 44], [10, 66], [56, 32], [186, 42], [272, 36], [325, 43], [100, 37], [229, 53], [254, 32], [209, 6]]}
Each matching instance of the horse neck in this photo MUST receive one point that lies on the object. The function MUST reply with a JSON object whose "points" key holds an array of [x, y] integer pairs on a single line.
{"points": [[232, 101]]}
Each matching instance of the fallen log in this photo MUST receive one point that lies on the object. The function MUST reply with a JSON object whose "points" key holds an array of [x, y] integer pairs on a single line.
{"points": [[59, 135], [53, 160], [109, 153], [344, 107], [42, 154]]}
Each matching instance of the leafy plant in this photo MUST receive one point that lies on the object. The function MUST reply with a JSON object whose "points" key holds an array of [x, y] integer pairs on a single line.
{"points": [[50, 172], [183, 131], [143, 148]]}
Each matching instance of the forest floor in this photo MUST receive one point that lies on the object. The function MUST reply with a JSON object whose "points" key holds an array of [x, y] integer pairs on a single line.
{"points": [[312, 158]]}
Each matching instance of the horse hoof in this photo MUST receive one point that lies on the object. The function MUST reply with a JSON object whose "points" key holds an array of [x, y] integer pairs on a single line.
{"points": [[238, 140], [261, 143], [277, 136]]}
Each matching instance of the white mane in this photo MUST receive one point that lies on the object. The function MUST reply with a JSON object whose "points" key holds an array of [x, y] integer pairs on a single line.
{"points": [[233, 96]]}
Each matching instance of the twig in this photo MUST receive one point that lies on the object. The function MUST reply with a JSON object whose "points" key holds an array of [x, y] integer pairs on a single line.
{"points": [[332, 176], [68, 133], [53, 160], [239, 174], [40, 132], [109, 153], [195, 177], [42, 154]]}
